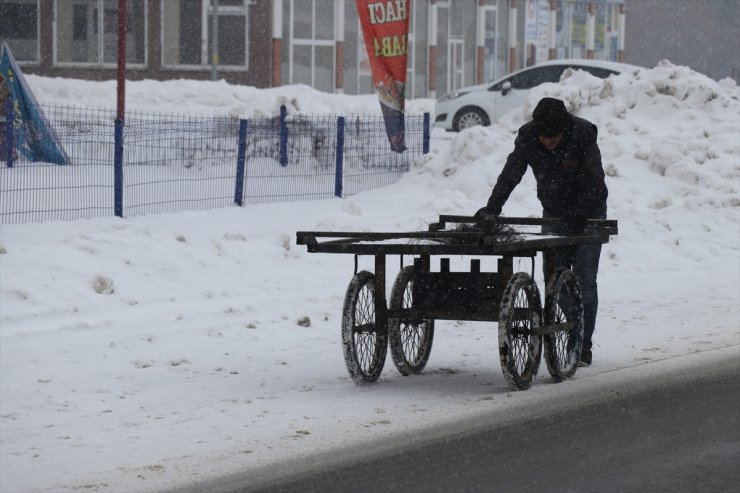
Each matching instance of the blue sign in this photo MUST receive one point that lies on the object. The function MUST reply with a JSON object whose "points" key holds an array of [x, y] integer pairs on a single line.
{"points": [[32, 135]]}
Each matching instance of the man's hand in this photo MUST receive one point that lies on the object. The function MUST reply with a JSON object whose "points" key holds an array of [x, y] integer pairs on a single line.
{"points": [[575, 224], [484, 215]]}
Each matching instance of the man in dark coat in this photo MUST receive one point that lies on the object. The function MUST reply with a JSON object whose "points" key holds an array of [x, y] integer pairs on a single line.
{"points": [[562, 151]]}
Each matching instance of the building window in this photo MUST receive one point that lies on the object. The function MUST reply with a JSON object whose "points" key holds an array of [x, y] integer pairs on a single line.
{"points": [[612, 32], [19, 27], [602, 31], [86, 32], [571, 30], [494, 44], [451, 44], [187, 33], [311, 37]]}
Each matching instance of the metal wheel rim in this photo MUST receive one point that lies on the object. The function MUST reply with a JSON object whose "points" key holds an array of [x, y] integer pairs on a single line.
{"points": [[365, 342], [413, 332], [469, 119], [562, 339], [521, 348]]}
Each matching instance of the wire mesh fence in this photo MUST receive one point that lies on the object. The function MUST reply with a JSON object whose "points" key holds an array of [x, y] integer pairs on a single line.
{"points": [[175, 162], [37, 191]]}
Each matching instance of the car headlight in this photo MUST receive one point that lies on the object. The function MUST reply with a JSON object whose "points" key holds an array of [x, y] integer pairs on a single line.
{"points": [[451, 96]]}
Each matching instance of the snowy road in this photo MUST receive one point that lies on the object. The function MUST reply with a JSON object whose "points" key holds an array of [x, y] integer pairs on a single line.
{"points": [[675, 431]]}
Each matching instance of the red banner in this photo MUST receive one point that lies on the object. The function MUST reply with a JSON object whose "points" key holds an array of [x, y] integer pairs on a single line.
{"points": [[385, 25]]}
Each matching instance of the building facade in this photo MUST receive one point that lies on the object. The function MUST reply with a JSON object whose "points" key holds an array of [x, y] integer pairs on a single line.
{"points": [[267, 43]]}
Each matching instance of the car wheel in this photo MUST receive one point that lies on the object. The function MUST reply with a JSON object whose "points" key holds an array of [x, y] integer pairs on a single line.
{"points": [[470, 117]]}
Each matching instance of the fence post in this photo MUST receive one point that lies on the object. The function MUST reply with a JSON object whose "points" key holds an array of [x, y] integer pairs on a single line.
{"points": [[118, 169], [427, 134], [283, 136], [240, 163], [9, 137], [340, 158]]}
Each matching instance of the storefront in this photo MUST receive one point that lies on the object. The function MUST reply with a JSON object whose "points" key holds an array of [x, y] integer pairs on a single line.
{"points": [[451, 43]]}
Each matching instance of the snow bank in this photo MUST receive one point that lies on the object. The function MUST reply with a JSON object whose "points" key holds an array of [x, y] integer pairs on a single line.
{"points": [[209, 98]]}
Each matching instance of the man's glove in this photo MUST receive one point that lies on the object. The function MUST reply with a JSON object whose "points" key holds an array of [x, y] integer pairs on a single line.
{"points": [[485, 215]]}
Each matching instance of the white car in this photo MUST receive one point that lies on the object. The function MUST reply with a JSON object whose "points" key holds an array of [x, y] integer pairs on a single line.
{"points": [[486, 103]]}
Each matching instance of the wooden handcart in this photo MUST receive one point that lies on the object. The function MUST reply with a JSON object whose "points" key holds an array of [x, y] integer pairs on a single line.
{"points": [[405, 323]]}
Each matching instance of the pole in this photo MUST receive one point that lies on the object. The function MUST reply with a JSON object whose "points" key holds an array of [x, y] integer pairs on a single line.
{"points": [[620, 50], [283, 136], [241, 156], [480, 35], [118, 168], [426, 136], [339, 172], [590, 30], [552, 52], [339, 47], [120, 111], [214, 41], [513, 56], [432, 35], [121, 102], [277, 42]]}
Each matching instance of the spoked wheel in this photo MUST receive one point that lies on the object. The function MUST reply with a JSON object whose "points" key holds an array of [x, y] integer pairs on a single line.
{"points": [[519, 338], [410, 339], [364, 345], [563, 324]]}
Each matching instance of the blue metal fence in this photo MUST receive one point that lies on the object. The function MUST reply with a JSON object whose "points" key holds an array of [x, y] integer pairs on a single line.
{"points": [[166, 163]]}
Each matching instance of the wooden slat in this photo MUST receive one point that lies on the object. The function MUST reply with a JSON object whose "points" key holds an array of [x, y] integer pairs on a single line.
{"points": [[551, 329], [442, 242]]}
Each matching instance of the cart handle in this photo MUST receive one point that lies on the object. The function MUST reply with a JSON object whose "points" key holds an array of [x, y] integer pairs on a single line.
{"points": [[608, 226]]}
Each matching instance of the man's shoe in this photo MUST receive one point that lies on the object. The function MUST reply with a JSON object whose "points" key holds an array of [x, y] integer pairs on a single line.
{"points": [[585, 358]]}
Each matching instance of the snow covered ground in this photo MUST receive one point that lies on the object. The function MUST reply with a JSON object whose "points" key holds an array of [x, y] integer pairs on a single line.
{"points": [[145, 353]]}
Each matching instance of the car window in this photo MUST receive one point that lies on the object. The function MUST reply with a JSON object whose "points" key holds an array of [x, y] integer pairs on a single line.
{"points": [[534, 77], [551, 73], [601, 73]]}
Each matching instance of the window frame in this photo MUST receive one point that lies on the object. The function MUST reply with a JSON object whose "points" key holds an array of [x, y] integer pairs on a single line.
{"points": [[206, 7], [312, 42], [101, 63], [37, 61], [455, 48], [490, 60]]}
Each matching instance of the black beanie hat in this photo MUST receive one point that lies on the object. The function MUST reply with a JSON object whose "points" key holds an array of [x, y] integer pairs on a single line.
{"points": [[550, 117]]}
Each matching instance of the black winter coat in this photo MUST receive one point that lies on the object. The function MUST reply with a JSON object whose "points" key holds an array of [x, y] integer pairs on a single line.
{"points": [[570, 178]]}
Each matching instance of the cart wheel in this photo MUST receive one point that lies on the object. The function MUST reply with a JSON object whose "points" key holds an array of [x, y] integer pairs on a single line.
{"points": [[364, 346], [519, 340], [563, 307], [410, 340]]}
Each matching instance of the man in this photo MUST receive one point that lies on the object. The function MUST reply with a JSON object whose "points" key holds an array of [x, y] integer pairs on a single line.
{"points": [[562, 151]]}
